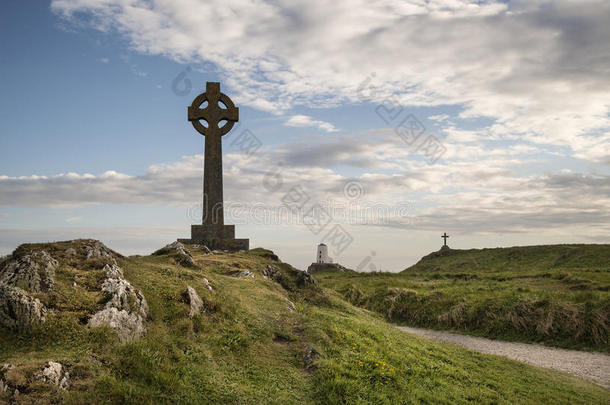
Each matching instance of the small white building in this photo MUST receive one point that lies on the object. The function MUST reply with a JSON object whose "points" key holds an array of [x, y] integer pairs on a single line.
{"points": [[322, 255]]}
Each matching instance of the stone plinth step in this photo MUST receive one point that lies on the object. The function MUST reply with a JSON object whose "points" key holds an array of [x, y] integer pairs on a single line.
{"points": [[231, 245]]}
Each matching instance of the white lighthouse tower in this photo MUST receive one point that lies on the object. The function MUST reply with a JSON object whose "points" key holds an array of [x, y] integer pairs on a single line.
{"points": [[322, 255]]}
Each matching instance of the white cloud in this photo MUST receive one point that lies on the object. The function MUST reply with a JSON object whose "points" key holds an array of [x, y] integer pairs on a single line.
{"points": [[539, 69], [307, 121], [457, 193], [439, 117]]}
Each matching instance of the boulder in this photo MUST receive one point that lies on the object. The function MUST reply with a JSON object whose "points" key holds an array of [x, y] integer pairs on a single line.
{"points": [[207, 284], [70, 252], [194, 300], [54, 373], [32, 272], [18, 310]]}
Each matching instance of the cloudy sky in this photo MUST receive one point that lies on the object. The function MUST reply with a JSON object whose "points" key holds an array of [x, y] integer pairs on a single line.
{"points": [[372, 126]]}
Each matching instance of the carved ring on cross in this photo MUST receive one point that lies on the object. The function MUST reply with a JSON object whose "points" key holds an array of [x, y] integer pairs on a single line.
{"points": [[213, 114]]}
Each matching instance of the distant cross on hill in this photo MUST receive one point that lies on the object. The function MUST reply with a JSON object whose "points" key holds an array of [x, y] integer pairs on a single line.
{"points": [[444, 236]]}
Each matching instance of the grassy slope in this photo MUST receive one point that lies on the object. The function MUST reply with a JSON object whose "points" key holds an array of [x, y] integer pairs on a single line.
{"points": [[556, 294], [248, 347]]}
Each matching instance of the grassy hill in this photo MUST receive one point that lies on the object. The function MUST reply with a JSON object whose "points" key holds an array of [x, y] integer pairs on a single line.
{"points": [[279, 339], [558, 295]]}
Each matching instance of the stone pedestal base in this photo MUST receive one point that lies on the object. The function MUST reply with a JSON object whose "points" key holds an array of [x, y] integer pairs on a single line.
{"points": [[221, 237]]}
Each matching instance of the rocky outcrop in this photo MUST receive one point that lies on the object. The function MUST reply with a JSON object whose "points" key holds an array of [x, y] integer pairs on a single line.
{"points": [[317, 267], [304, 278], [18, 310], [113, 271], [94, 249], [54, 373], [32, 272], [194, 300], [183, 257], [125, 311], [27, 272], [271, 273]]}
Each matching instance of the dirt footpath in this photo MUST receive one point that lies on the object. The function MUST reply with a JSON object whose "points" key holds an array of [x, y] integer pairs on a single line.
{"points": [[590, 366]]}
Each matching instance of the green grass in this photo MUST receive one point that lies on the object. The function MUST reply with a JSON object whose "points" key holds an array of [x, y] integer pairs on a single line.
{"points": [[248, 347], [557, 295]]}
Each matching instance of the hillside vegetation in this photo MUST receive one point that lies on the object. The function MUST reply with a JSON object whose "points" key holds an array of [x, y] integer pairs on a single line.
{"points": [[263, 333], [558, 295]]}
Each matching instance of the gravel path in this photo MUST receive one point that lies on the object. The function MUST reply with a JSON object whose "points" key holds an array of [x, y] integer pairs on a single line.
{"points": [[590, 366]]}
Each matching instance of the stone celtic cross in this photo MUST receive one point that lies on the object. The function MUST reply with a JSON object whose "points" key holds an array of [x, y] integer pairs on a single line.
{"points": [[444, 236], [213, 114], [213, 232]]}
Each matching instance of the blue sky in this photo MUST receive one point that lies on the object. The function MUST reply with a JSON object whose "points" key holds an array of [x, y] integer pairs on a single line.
{"points": [[94, 140]]}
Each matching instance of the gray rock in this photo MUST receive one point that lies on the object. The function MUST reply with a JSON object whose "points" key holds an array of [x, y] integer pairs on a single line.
{"points": [[176, 246], [194, 300], [71, 251], [185, 258], [124, 296], [128, 326], [126, 311], [203, 248], [54, 373], [113, 271], [304, 278], [310, 357], [241, 274], [18, 310], [291, 306], [97, 250], [4, 386], [33, 272], [271, 273], [207, 284]]}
